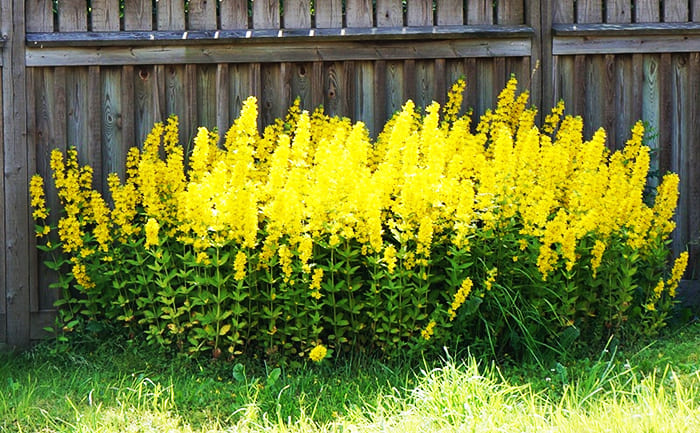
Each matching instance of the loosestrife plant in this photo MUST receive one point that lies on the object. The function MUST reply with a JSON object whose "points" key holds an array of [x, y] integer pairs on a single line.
{"points": [[311, 238]]}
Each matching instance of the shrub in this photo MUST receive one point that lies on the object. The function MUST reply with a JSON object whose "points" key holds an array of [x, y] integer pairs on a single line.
{"points": [[507, 237]]}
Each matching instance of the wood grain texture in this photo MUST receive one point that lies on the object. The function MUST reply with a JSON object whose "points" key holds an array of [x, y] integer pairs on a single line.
{"points": [[563, 11], [297, 14], [589, 11], [39, 16], [511, 12], [450, 12], [17, 227], [675, 11], [479, 12], [72, 16], [329, 14], [234, 14], [618, 11], [647, 11], [266, 14], [104, 15], [419, 13], [389, 13], [201, 15], [693, 155], [170, 15], [138, 14], [358, 13]]}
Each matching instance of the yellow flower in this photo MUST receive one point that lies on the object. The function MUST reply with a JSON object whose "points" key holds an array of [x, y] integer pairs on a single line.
{"points": [[318, 353], [491, 278], [677, 273], [390, 258], [428, 331], [152, 227], [239, 265], [460, 297], [38, 200], [597, 252]]}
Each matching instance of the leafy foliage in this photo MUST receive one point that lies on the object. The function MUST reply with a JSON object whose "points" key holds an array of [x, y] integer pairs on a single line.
{"points": [[310, 239]]}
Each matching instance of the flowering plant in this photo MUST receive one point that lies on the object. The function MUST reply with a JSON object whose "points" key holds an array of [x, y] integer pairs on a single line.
{"points": [[507, 235]]}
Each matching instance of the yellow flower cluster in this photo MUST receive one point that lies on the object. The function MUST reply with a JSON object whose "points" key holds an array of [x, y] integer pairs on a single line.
{"points": [[318, 353], [38, 199], [461, 296]]}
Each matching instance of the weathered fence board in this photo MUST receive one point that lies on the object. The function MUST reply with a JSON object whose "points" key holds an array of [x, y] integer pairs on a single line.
{"points": [[99, 78]]}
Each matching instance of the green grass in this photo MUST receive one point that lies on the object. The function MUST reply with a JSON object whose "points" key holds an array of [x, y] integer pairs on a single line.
{"points": [[116, 386]]}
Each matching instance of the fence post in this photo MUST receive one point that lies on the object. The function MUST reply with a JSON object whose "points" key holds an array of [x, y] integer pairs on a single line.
{"points": [[542, 23], [16, 275]]}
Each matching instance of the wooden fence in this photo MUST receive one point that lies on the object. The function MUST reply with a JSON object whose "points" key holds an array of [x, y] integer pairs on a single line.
{"points": [[97, 74]]}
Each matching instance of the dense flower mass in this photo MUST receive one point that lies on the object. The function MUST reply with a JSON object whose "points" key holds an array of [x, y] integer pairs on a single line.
{"points": [[314, 232]]}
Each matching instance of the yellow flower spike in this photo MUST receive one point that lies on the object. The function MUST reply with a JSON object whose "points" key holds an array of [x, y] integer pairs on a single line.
{"points": [[597, 253], [677, 272], [152, 227], [429, 330], [318, 353], [239, 266], [390, 258], [461, 296], [38, 198]]}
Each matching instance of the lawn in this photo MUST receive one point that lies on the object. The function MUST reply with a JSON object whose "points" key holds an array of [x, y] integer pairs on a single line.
{"points": [[117, 386]]}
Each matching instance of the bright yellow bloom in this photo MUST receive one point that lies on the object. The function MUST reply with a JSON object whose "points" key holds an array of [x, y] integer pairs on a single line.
{"points": [[460, 297], [38, 200], [677, 273], [428, 331], [318, 353], [152, 227], [239, 266], [597, 253]]}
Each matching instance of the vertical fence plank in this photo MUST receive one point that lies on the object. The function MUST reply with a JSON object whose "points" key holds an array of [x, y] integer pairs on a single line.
{"points": [[105, 15], [512, 11], [365, 96], [266, 14], [589, 11], [651, 109], [39, 16], [563, 11], [479, 12], [201, 15], [234, 14], [419, 13], [297, 14], [72, 16], [647, 11], [358, 13], [675, 11], [93, 104], [206, 96], [329, 14], [239, 88], [171, 14], [302, 84], [450, 12], [334, 97], [695, 10], [618, 11], [34, 269], [146, 106], [223, 115], [680, 122], [693, 154], [389, 13], [138, 14], [114, 146], [18, 264], [76, 115]]}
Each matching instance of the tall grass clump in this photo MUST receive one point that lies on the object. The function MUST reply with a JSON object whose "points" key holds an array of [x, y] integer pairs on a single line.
{"points": [[312, 239]]}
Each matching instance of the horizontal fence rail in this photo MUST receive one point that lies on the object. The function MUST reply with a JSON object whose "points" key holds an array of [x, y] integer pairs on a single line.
{"points": [[98, 74]]}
